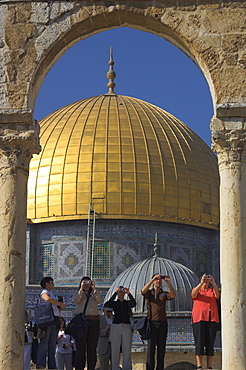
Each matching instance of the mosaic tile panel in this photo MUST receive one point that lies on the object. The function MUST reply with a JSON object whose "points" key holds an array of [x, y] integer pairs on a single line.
{"points": [[182, 254], [180, 331], [129, 242], [101, 260], [215, 257], [46, 260], [123, 257], [201, 262], [69, 254]]}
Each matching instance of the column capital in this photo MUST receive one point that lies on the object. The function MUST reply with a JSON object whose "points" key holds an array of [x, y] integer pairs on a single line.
{"points": [[229, 138], [19, 139]]}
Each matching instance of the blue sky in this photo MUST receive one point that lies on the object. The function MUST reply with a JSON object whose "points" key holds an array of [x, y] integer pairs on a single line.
{"points": [[147, 67]]}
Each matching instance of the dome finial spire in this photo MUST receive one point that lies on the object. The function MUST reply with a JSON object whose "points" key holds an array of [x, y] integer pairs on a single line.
{"points": [[111, 73], [156, 246]]}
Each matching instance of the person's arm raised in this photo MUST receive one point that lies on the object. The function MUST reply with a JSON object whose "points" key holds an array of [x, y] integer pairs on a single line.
{"points": [[195, 290], [148, 285]]}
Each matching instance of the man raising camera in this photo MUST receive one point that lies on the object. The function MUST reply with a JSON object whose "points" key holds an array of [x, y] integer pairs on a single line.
{"points": [[121, 329], [156, 303]]}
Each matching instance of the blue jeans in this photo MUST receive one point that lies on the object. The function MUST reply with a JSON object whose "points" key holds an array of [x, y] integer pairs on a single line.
{"points": [[48, 344]]}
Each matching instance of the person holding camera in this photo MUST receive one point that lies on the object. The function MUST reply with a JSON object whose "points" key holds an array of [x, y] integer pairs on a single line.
{"points": [[205, 318], [64, 348], [121, 329], [156, 311], [86, 301], [48, 342]]}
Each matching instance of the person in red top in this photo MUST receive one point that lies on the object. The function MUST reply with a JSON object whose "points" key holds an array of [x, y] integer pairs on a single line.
{"points": [[205, 318]]}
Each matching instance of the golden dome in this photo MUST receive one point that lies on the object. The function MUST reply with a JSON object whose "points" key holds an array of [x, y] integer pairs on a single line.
{"points": [[127, 158]]}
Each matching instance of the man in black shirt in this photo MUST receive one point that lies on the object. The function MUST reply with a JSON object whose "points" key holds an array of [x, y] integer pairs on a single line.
{"points": [[121, 329]]}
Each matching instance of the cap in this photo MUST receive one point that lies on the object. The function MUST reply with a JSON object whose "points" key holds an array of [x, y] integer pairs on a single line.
{"points": [[108, 308]]}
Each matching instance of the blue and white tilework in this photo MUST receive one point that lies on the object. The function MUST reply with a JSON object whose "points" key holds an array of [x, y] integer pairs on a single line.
{"points": [[59, 248]]}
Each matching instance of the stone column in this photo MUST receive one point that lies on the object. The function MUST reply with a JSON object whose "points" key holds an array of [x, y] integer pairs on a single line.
{"points": [[229, 139], [18, 142]]}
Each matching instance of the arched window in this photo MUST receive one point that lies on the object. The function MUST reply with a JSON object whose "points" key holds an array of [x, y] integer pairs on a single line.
{"points": [[181, 366]]}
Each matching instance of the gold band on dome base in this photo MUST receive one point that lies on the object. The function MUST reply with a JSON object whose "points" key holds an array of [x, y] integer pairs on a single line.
{"points": [[126, 217]]}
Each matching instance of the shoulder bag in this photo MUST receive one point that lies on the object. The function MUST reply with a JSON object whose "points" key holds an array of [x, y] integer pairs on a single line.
{"points": [[143, 326], [44, 315], [78, 325]]}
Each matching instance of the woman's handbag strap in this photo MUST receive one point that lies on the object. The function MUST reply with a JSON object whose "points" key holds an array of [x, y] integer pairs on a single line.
{"points": [[86, 303]]}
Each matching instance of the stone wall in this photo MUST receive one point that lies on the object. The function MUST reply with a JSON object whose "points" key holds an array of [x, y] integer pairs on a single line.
{"points": [[35, 34]]}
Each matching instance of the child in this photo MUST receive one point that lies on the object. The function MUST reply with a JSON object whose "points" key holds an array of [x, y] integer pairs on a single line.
{"points": [[64, 348]]}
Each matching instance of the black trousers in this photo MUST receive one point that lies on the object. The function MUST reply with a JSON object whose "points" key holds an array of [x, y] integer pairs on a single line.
{"points": [[204, 333], [157, 339], [86, 348]]}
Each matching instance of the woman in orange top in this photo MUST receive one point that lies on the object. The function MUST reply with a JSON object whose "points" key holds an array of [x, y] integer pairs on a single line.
{"points": [[205, 318]]}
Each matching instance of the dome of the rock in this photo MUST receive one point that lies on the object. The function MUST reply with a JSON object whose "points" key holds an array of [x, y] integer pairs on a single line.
{"points": [[127, 158]]}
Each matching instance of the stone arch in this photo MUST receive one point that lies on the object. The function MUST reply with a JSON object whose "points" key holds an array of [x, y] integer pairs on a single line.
{"points": [[176, 26], [38, 33]]}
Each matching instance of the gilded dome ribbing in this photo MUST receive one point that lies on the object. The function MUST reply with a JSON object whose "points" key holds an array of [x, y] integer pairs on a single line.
{"points": [[127, 158]]}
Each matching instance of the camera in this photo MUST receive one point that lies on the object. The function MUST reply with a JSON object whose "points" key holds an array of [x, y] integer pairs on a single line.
{"points": [[87, 282], [60, 298], [122, 290], [64, 346], [163, 277], [207, 276]]}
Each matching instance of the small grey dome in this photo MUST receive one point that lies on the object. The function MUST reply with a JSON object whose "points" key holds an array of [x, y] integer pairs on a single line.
{"points": [[139, 274]]}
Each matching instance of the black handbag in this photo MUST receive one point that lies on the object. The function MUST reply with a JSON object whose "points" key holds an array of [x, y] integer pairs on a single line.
{"points": [[78, 325], [44, 315], [143, 327]]}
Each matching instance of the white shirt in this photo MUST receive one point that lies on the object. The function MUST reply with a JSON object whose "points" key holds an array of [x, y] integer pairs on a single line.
{"points": [[66, 339], [54, 306], [109, 320]]}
